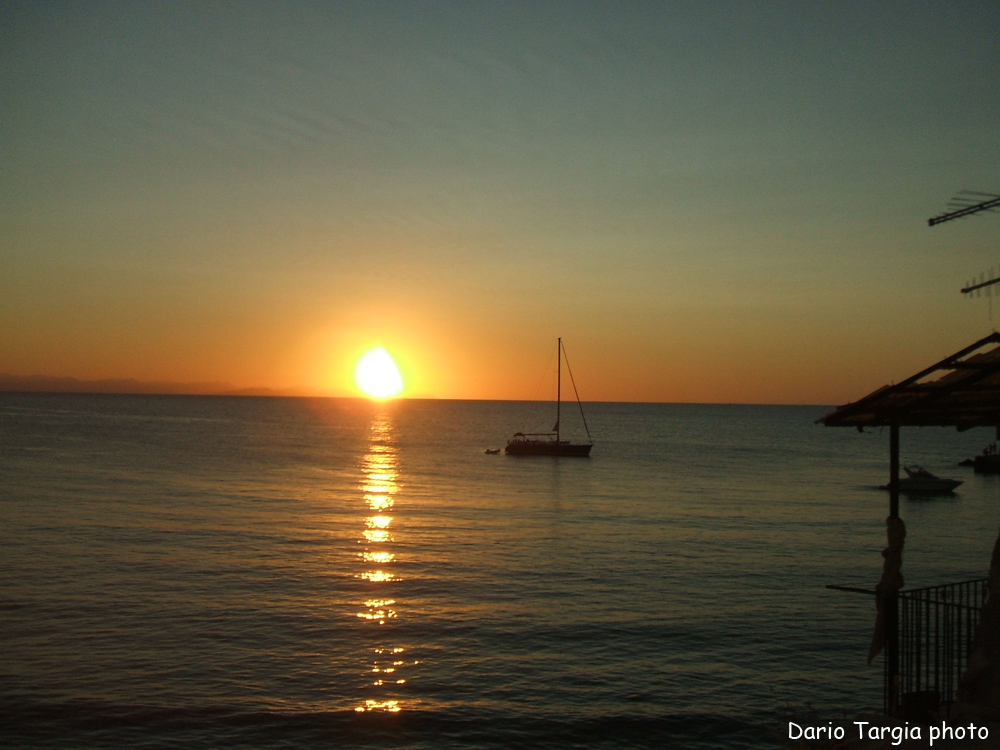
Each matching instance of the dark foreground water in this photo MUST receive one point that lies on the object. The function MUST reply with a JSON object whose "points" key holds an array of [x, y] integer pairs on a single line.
{"points": [[266, 573]]}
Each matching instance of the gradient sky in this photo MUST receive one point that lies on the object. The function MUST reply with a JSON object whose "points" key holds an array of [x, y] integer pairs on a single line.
{"points": [[721, 202]]}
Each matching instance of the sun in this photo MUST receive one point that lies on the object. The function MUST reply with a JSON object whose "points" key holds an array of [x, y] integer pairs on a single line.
{"points": [[377, 375]]}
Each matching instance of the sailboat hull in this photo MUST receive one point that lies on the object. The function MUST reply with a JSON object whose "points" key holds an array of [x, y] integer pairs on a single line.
{"points": [[547, 448]]}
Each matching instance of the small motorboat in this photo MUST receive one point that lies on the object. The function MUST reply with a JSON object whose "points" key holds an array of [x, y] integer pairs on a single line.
{"points": [[918, 479], [493, 451], [987, 462]]}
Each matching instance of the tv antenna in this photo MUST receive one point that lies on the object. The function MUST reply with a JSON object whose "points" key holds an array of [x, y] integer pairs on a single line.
{"points": [[967, 203], [985, 284]]}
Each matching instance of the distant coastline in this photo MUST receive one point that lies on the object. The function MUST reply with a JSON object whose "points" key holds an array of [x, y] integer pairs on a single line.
{"points": [[50, 384], [129, 386]]}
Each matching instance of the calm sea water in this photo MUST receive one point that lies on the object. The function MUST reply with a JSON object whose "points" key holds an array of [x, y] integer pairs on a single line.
{"points": [[245, 572]]}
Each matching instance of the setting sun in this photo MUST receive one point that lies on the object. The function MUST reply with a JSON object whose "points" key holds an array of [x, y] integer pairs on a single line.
{"points": [[377, 375]]}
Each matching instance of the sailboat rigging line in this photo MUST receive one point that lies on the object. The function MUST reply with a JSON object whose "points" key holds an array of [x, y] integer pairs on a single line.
{"points": [[543, 377], [578, 402]]}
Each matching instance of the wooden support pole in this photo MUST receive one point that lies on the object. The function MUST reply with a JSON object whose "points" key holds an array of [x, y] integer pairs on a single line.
{"points": [[894, 470], [890, 596]]}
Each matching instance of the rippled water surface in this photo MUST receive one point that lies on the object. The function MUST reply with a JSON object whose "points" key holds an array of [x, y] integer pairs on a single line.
{"points": [[205, 572]]}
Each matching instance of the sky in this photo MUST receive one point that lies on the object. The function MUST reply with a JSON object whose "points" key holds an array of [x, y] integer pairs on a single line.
{"points": [[710, 202]]}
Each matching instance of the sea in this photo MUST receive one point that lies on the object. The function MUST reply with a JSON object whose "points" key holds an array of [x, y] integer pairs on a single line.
{"points": [[240, 572]]}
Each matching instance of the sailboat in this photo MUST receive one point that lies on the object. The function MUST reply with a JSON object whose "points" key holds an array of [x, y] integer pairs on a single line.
{"points": [[551, 443]]}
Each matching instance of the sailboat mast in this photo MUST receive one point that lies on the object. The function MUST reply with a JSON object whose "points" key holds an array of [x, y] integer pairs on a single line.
{"points": [[558, 385]]}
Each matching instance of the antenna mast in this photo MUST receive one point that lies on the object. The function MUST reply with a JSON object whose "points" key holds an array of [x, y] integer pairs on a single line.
{"points": [[966, 203]]}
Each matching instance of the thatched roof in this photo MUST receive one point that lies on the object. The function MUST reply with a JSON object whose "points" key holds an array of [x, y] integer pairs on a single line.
{"points": [[961, 391]]}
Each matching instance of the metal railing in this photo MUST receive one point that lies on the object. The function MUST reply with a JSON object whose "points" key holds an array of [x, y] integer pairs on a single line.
{"points": [[935, 629]]}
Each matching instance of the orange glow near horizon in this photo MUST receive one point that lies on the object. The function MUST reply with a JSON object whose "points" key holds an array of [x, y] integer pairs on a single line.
{"points": [[259, 238]]}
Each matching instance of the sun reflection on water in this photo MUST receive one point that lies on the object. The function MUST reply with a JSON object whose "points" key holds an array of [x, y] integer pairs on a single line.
{"points": [[377, 557], [375, 536], [379, 485], [378, 576]]}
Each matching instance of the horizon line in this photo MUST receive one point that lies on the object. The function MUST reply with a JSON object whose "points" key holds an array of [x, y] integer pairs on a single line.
{"points": [[66, 385]]}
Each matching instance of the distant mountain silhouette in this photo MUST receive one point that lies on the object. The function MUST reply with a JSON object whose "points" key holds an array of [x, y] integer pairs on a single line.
{"points": [[49, 384]]}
